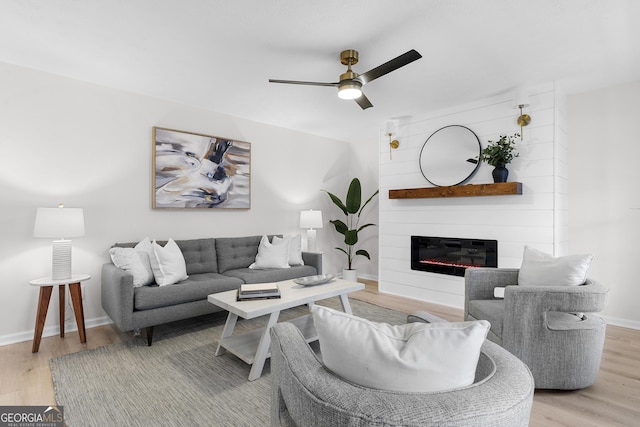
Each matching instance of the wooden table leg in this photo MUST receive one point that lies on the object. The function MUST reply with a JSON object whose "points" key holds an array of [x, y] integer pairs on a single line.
{"points": [[226, 332], [41, 316], [61, 292], [263, 348], [76, 299]]}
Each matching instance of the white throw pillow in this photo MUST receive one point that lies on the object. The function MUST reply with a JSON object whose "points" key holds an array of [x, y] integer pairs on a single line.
{"points": [[271, 256], [135, 261], [295, 248], [415, 357], [167, 263], [541, 269]]}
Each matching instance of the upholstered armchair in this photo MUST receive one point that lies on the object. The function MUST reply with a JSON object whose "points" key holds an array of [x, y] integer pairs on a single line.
{"points": [[305, 393], [552, 329]]}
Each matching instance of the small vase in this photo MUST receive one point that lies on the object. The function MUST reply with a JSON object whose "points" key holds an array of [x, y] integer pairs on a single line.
{"points": [[500, 173], [350, 275]]}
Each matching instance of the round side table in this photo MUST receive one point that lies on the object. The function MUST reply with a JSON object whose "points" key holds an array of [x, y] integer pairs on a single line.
{"points": [[46, 285]]}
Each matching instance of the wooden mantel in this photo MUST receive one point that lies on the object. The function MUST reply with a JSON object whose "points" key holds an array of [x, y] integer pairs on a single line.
{"points": [[469, 190]]}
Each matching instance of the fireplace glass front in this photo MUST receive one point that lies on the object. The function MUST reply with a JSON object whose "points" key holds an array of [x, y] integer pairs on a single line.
{"points": [[452, 255]]}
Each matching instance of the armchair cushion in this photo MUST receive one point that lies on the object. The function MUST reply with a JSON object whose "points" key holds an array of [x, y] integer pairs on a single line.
{"points": [[541, 269], [414, 357], [490, 310]]}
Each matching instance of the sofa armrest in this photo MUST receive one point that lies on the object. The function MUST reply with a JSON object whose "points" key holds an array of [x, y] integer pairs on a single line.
{"points": [[313, 259], [588, 298], [116, 290], [480, 282], [531, 312]]}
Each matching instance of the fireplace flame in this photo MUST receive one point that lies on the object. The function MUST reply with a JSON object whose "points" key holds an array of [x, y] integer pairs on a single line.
{"points": [[448, 264]]}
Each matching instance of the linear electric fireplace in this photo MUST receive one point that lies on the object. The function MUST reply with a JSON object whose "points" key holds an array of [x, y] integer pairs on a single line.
{"points": [[452, 255]]}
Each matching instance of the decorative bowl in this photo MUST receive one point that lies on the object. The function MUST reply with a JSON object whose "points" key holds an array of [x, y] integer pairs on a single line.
{"points": [[314, 280]]}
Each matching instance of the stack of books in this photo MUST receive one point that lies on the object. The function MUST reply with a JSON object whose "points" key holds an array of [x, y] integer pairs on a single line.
{"points": [[258, 291]]}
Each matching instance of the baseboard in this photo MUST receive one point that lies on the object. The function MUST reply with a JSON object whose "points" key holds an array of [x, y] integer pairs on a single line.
{"points": [[367, 277], [623, 323], [50, 331]]}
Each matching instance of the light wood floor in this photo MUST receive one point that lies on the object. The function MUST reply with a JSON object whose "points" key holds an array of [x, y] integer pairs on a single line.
{"points": [[614, 400]]}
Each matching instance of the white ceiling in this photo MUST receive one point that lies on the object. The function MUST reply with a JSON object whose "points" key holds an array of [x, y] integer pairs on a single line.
{"points": [[219, 54]]}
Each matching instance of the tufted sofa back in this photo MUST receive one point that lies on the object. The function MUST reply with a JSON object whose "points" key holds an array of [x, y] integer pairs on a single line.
{"points": [[236, 252]]}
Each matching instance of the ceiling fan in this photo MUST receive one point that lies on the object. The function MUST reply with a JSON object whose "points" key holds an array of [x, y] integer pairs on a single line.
{"points": [[350, 84]]}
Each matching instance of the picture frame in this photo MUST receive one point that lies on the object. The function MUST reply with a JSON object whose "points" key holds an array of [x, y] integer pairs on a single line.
{"points": [[198, 171]]}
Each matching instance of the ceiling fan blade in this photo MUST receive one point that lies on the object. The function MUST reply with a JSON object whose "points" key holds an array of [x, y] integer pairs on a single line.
{"points": [[296, 82], [387, 67], [363, 102]]}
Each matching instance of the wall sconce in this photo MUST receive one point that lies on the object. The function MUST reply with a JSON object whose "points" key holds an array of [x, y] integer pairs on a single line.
{"points": [[393, 143], [521, 100]]}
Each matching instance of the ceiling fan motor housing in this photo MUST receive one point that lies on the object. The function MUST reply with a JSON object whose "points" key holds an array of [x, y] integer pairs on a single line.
{"points": [[349, 87], [349, 57]]}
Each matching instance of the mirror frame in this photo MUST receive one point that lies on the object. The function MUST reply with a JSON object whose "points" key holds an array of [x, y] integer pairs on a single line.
{"points": [[475, 169]]}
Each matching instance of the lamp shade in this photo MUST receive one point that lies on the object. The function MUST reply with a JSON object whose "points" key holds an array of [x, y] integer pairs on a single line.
{"points": [[520, 99], [59, 222], [311, 219]]}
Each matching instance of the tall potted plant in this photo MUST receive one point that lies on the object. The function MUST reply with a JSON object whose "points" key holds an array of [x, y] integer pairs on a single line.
{"points": [[499, 154], [352, 208]]}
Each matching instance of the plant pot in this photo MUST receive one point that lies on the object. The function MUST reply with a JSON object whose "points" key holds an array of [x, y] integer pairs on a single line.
{"points": [[350, 275], [500, 174]]}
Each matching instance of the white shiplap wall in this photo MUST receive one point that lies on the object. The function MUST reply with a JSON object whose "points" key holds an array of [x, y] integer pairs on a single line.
{"points": [[536, 218]]}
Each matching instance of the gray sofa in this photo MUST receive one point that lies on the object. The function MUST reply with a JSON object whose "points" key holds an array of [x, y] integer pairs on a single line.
{"points": [[213, 265], [305, 393]]}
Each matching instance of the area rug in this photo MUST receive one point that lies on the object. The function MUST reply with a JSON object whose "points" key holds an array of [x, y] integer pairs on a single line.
{"points": [[178, 381]]}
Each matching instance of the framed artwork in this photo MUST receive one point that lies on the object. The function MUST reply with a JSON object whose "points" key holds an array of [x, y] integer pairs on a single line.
{"points": [[196, 171]]}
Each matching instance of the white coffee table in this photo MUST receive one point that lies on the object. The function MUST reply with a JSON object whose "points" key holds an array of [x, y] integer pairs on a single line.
{"points": [[253, 347]]}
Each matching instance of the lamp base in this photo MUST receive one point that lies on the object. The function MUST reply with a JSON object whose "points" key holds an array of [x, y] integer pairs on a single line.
{"points": [[311, 240], [61, 256]]}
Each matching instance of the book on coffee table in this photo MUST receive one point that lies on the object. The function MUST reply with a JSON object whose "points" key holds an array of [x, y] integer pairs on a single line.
{"points": [[258, 291]]}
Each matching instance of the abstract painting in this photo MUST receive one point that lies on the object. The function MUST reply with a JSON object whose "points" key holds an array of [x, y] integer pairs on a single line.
{"points": [[192, 170]]}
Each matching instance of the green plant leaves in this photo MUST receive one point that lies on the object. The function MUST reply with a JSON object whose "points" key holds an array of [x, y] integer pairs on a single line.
{"points": [[336, 201], [352, 208], [363, 253], [340, 226], [354, 196], [365, 226], [367, 202], [500, 152], [351, 237]]}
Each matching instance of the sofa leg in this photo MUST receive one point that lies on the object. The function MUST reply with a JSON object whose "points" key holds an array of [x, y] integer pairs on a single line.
{"points": [[149, 335]]}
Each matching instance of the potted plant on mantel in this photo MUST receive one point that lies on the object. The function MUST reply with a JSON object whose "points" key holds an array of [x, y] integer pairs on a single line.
{"points": [[352, 208], [499, 154]]}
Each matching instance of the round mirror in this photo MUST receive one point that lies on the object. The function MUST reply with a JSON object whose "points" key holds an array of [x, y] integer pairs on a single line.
{"points": [[450, 156]]}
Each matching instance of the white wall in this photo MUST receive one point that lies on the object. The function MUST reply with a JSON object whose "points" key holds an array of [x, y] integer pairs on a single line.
{"points": [[535, 218], [604, 214], [88, 146]]}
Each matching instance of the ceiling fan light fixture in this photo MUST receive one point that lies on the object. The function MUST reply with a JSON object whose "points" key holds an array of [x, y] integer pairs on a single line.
{"points": [[350, 90], [350, 83]]}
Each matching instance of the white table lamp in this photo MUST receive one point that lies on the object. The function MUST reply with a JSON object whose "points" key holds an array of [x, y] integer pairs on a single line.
{"points": [[60, 223], [311, 220]]}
